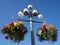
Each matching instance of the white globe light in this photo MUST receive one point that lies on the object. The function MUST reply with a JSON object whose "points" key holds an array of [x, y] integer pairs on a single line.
{"points": [[25, 10], [40, 16], [34, 11], [29, 6], [20, 14]]}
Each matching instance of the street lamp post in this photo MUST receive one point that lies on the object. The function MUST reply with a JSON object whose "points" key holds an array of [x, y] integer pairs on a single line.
{"points": [[28, 11]]}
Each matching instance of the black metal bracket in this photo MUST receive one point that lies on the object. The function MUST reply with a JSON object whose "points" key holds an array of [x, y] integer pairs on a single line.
{"points": [[29, 21]]}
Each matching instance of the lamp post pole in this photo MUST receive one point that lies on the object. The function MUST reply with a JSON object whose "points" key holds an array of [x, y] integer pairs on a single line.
{"points": [[32, 31]]}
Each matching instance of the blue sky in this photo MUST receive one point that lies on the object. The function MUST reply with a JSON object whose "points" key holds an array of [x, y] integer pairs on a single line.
{"points": [[10, 8]]}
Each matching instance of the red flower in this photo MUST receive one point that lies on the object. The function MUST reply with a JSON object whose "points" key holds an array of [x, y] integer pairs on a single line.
{"points": [[6, 37], [44, 27], [12, 24]]}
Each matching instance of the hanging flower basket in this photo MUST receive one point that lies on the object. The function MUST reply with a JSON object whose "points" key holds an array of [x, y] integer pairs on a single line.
{"points": [[47, 32], [14, 31]]}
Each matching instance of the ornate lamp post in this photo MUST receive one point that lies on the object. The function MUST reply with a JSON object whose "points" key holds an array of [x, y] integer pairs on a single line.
{"points": [[30, 13]]}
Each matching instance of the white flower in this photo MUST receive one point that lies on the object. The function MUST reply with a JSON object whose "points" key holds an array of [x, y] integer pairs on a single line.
{"points": [[15, 23], [39, 32]]}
